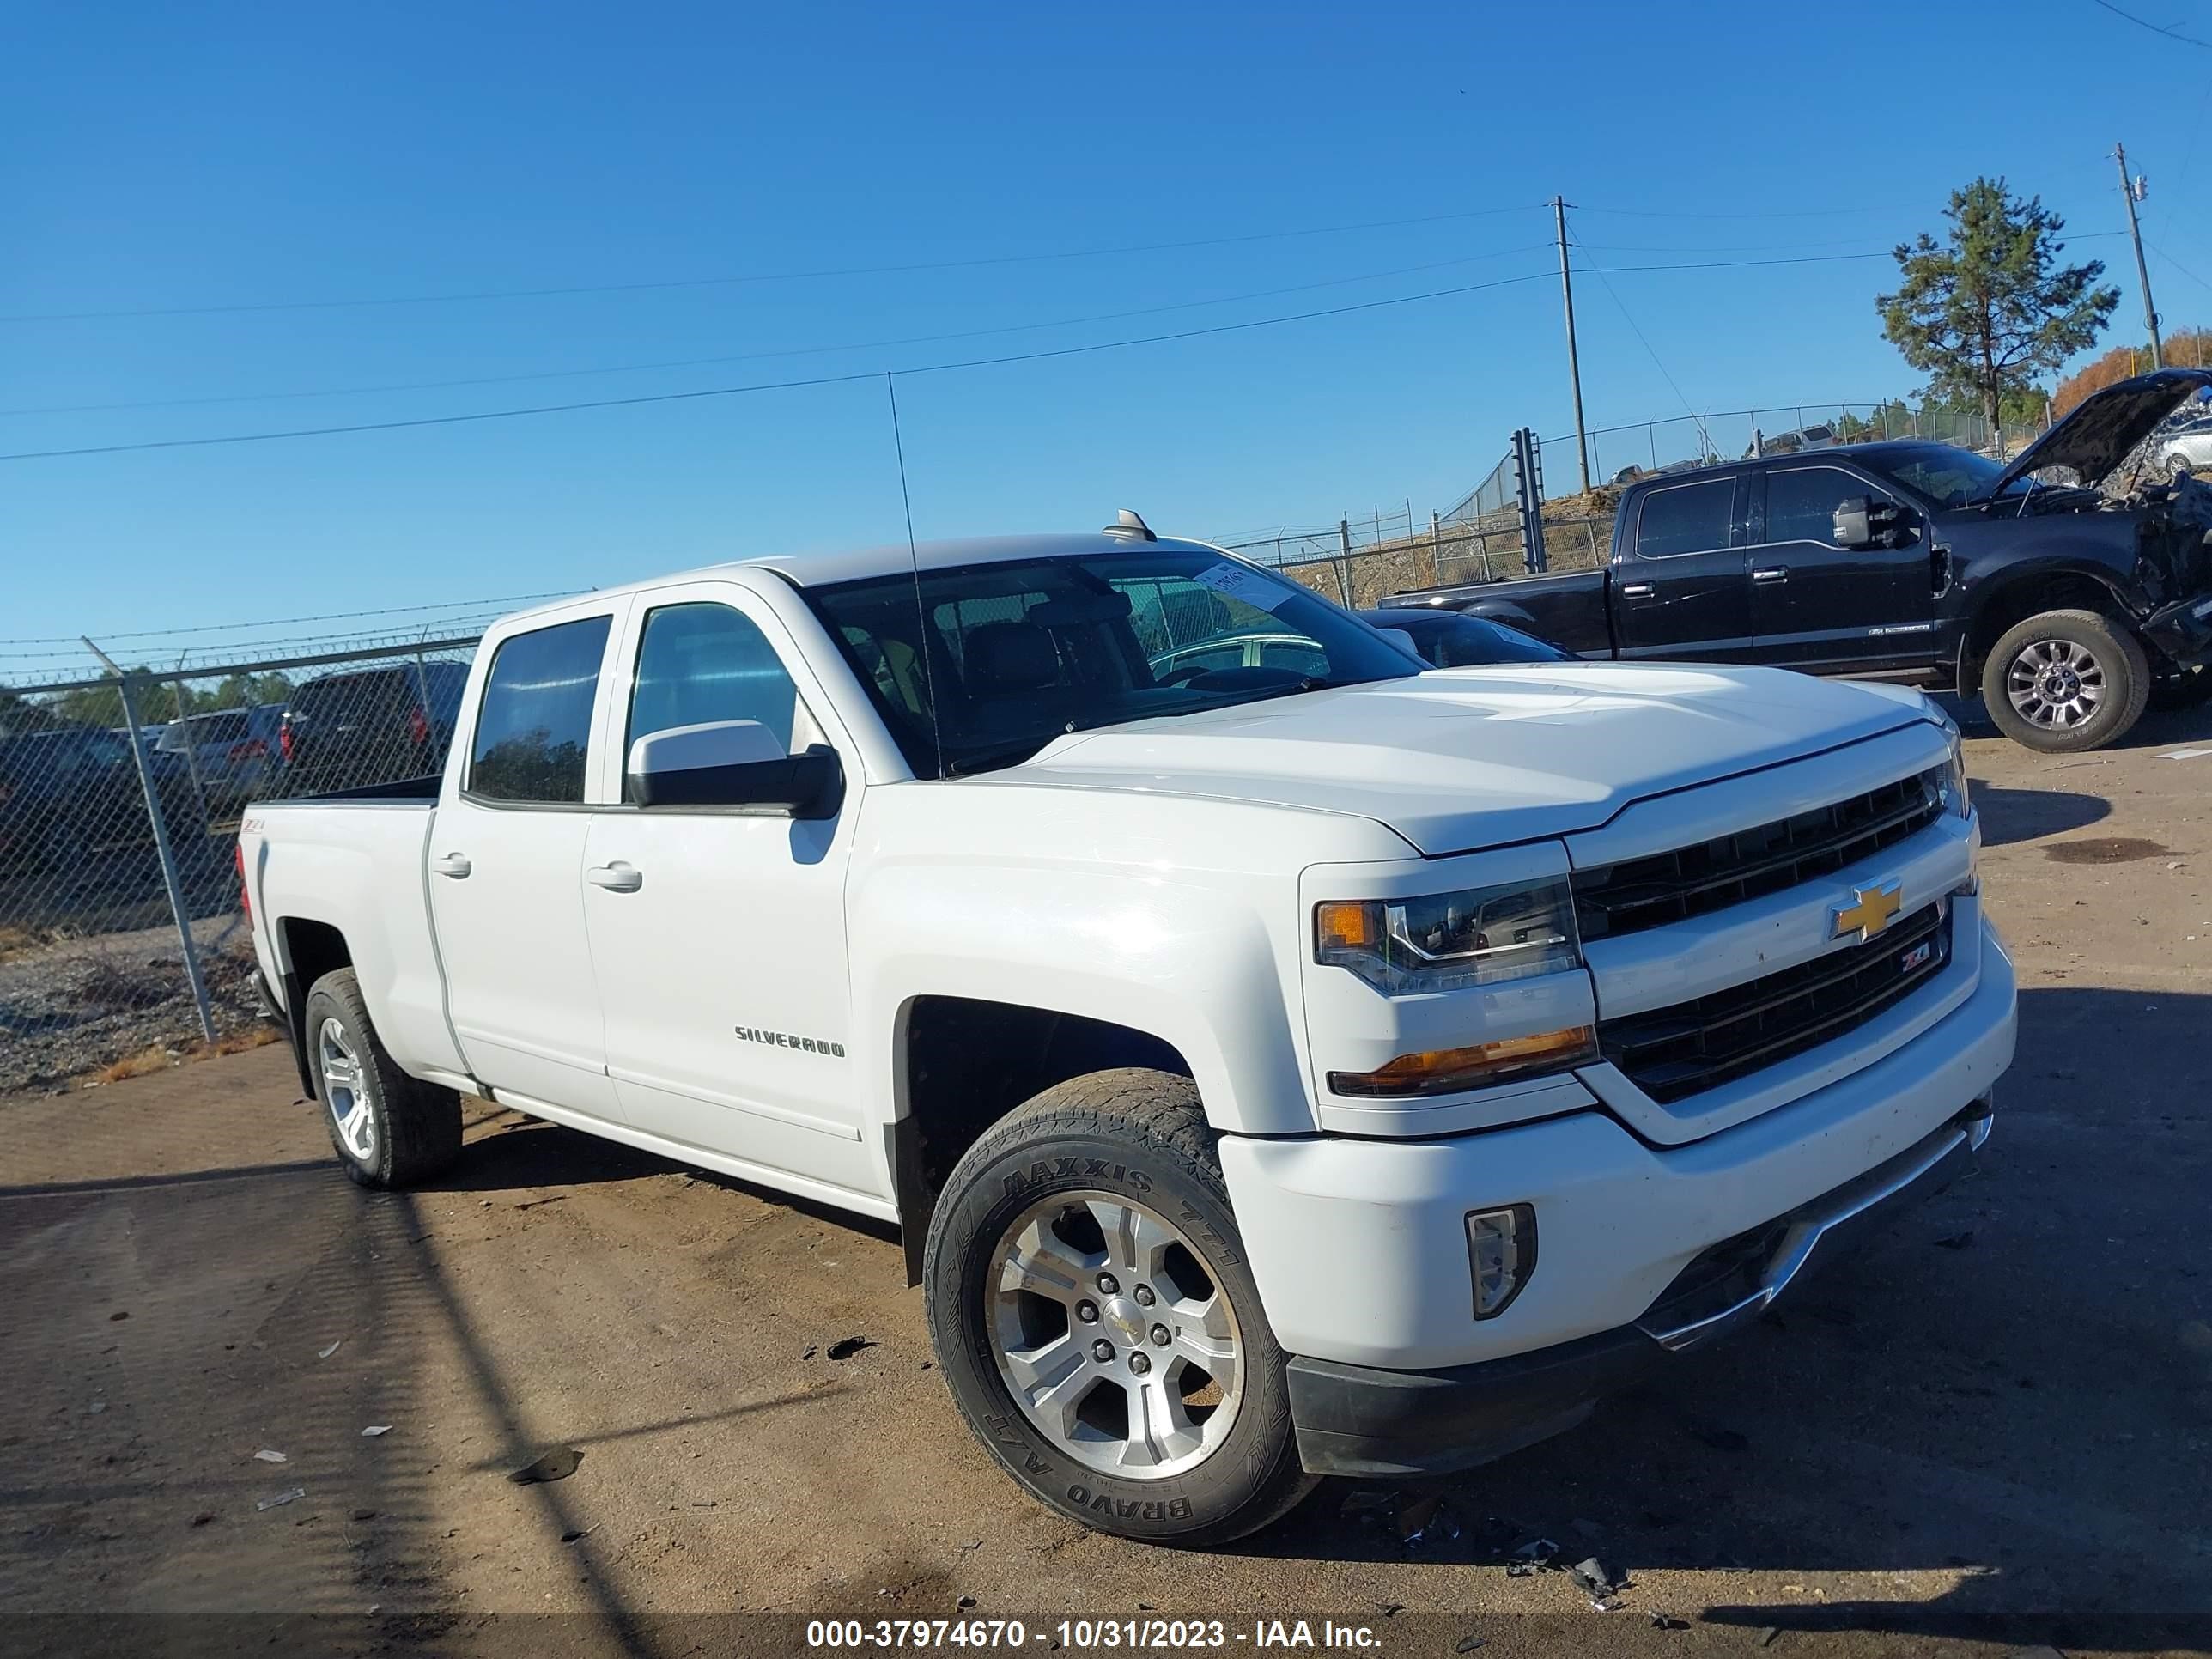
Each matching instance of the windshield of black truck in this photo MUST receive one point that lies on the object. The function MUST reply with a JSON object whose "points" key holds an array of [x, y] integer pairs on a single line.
{"points": [[1949, 477], [1016, 654]]}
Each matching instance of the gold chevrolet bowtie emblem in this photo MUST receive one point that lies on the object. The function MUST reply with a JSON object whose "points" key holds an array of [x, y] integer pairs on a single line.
{"points": [[1870, 911]]}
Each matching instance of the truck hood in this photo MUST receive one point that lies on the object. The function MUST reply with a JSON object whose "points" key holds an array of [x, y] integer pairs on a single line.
{"points": [[1458, 759], [2104, 427]]}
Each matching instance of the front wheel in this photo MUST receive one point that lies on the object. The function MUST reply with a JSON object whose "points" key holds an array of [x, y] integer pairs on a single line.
{"points": [[2066, 681], [1094, 1315]]}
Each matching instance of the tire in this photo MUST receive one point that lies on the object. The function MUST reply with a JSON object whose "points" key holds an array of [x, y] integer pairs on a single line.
{"points": [[388, 1130], [1112, 1173], [2032, 669]]}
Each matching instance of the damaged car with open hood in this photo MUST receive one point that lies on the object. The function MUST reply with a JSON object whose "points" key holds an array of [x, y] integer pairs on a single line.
{"points": [[2070, 589]]}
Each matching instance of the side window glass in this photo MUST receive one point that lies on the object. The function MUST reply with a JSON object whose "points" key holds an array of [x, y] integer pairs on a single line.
{"points": [[1685, 518], [1801, 502], [707, 661], [535, 726]]}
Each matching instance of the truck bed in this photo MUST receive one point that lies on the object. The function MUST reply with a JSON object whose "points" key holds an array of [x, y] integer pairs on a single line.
{"points": [[1568, 609]]}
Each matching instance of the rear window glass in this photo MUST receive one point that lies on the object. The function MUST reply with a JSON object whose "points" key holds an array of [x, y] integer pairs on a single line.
{"points": [[1685, 518], [534, 728]]}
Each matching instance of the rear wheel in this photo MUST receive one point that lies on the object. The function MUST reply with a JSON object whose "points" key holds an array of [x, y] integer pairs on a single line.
{"points": [[1094, 1316], [2066, 681], [389, 1129]]}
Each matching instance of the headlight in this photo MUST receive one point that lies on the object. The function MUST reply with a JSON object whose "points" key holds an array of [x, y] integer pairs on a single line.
{"points": [[1952, 786], [1449, 941]]}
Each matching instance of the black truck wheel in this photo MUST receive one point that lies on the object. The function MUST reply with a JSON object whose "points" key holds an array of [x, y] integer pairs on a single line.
{"points": [[2066, 681], [389, 1129], [1096, 1320]]}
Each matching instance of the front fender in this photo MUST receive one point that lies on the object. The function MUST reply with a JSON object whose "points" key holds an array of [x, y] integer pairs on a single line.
{"points": [[1180, 960]]}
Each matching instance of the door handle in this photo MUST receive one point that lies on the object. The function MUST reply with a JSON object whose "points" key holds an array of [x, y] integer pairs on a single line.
{"points": [[1637, 590], [617, 877], [1777, 574], [455, 865]]}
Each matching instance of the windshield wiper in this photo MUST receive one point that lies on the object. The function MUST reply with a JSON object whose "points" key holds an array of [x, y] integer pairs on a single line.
{"points": [[990, 760]]}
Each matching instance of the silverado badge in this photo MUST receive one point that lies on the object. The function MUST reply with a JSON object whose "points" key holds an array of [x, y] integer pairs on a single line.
{"points": [[1870, 911]]}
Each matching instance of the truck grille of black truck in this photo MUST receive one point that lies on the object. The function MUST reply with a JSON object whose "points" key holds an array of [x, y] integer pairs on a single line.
{"points": [[1691, 1047], [1712, 875]]}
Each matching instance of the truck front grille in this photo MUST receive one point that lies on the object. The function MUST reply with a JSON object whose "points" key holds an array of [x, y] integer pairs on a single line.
{"points": [[1712, 875], [1691, 1047]]}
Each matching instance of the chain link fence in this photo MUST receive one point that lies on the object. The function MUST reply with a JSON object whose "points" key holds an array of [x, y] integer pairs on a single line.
{"points": [[121, 940]]}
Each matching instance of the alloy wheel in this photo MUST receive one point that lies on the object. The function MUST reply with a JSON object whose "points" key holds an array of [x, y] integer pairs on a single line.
{"points": [[1114, 1335], [342, 1093], [2057, 685]]}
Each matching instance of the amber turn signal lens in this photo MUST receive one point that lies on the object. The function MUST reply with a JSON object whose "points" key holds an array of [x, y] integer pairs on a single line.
{"points": [[1448, 1070], [1345, 925]]}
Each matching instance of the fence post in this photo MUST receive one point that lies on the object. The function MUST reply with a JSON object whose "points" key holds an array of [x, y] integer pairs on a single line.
{"points": [[162, 849], [1344, 566]]}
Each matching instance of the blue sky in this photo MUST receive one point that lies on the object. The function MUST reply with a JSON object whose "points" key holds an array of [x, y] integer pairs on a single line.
{"points": [[165, 157]]}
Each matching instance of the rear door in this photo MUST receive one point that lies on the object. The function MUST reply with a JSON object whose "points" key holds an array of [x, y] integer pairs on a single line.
{"points": [[507, 863], [1680, 590], [1828, 609]]}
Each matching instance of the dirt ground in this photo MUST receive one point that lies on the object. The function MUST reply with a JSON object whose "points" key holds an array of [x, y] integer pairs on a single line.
{"points": [[1992, 1429]]}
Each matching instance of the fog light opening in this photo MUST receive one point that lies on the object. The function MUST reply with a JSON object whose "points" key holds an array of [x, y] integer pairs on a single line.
{"points": [[1501, 1255]]}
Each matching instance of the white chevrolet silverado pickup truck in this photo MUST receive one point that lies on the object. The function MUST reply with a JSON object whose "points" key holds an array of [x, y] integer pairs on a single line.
{"points": [[1280, 1061]]}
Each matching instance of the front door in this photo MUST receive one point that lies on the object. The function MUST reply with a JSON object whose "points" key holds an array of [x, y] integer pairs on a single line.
{"points": [[1828, 609], [505, 873], [719, 932], [1678, 590]]}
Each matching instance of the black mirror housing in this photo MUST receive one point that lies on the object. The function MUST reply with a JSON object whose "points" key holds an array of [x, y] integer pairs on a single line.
{"points": [[808, 785]]}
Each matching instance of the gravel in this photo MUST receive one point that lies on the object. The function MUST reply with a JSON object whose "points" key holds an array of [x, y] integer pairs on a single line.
{"points": [[69, 1009]]}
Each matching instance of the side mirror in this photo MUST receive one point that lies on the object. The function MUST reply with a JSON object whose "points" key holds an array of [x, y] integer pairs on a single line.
{"points": [[1853, 526], [733, 763], [1404, 641], [1861, 522]]}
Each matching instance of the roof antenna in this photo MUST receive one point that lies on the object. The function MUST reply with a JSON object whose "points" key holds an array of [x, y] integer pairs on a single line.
{"points": [[1128, 527], [913, 555]]}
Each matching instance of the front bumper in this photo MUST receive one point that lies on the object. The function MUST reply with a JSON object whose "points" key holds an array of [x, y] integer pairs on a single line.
{"points": [[1365, 1421], [2182, 630]]}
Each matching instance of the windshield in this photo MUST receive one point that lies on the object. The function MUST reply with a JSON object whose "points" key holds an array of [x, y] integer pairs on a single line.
{"points": [[1018, 653], [1949, 477]]}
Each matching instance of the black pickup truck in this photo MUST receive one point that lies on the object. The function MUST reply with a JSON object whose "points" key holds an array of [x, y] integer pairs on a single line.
{"points": [[2065, 608]]}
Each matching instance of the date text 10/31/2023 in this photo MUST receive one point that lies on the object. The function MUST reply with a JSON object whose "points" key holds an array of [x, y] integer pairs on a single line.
{"points": [[1086, 1634]]}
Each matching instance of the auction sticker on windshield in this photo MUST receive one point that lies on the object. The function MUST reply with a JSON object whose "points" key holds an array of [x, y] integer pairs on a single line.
{"points": [[1234, 581]]}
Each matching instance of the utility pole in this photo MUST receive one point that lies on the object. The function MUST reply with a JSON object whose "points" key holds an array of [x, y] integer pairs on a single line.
{"points": [[2131, 192], [1574, 368]]}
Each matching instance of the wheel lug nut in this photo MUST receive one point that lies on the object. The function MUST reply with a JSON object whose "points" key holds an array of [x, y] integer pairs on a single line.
{"points": [[1138, 1364], [1144, 1295], [1101, 1351], [1160, 1335], [1106, 1285], [1087, 1312]]}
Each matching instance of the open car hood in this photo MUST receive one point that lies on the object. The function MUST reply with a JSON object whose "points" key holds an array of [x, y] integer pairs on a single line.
{"points": [[2104, 429]]}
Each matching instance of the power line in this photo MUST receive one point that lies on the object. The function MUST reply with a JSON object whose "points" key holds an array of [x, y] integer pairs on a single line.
{"points": [[1703, 436], [785, 352], [2155, 28], [287, 622], [758, 276], [1671, 213], [873, 373], [765, 386]]}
